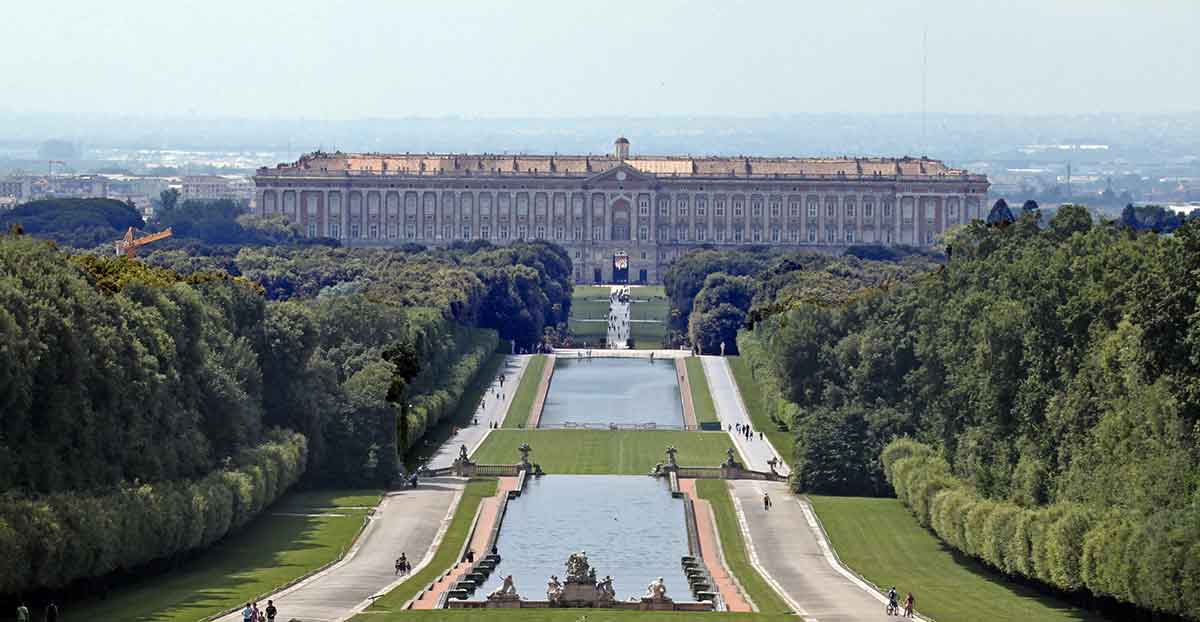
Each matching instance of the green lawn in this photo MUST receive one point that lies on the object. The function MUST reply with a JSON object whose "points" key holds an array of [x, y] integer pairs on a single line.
{"points": [[589, 309], [880, 539], [272, 551], [591, 332], [654, 310], [590, 291], [518, 410], [764, 597], [648, 336], [624, 452], [781, 440], [447, 551], [648, 291], [562, 615], [468, 406], [701, 397]]}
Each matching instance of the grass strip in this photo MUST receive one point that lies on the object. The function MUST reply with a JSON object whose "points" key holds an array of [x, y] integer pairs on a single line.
{"points": [[880, 539], [716, 492], [702, 401], [596, 452], [270, 552], [447, 552], [518, 410], [781, 440]]}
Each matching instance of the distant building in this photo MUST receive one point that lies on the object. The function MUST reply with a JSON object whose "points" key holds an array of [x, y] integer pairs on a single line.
{"points": [[215, 187], [618, 210]]}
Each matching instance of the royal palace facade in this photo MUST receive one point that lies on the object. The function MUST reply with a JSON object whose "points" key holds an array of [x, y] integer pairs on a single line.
{"points": [[646, 210]]}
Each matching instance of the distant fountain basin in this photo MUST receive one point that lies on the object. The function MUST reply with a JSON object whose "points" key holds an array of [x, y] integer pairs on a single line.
{"points": [[631, 528], [602, 391]]}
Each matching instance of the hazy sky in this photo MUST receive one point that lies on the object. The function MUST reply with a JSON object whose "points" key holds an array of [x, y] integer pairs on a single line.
{"points": [[396, 58]]}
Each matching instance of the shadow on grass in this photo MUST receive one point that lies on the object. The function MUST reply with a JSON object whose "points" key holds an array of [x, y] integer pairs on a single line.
{"points": [[271, 551]]}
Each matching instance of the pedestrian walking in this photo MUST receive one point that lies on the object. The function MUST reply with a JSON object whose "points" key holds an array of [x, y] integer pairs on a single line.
{"points": [[52, 612], [909, 603], [22, 613], [766, 501], [247, 614], [271, 611], [760, 436]]}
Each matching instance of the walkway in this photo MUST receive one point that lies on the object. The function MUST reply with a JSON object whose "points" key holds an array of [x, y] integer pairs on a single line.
{"points": [[495, 405], [731, 411], [618, 315], [407, 521], [786, 544], [710, 550]]}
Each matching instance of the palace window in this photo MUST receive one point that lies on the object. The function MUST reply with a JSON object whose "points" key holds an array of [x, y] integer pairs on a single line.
{"points": [[849, 210], [812, 234], [683, 207], [558, 233], [929, 237], [794, 209], [701, 204], [541, 232], [794, 236], [595, 233], [428, 232], [737, 236], [664, 207], [466, 232], [447, 232], [354, 230], [374, 232], [392, 230], [503, 232], [737, 209], [683, 234], [829, 235], [850, 236], [720, 235], [720, 207], [774, 234], [522, 232], [776, 208], [335, 230], [812, 209], [485, 232], [578, 234], [830, 209], [312, 229], [643, 233], [756, 235], [701, 233]]}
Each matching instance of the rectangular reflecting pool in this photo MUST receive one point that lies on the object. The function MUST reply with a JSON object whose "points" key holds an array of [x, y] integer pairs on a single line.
{"points": [[603, 391], [630, 527]]}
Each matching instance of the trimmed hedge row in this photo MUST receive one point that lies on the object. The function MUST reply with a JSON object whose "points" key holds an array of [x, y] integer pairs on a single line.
{"points": [[431, 407], [53, 540], [778, 408], [1152, 561]]}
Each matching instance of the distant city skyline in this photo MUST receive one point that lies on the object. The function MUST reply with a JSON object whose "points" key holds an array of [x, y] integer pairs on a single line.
{"points": [[374, 59]]}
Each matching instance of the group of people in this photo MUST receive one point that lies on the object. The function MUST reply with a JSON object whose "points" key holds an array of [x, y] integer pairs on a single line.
{"points": [[893, 607], [402, 565], [51, 613], [253, 614], [745, 430]]}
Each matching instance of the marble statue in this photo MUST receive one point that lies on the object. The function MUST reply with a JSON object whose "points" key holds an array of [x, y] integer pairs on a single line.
{"points": [[554, 589], [462, 453], [578, 568], [604, 589], [524, 449], [730, 460], [506, 591], [657, 590], [671, 451]]}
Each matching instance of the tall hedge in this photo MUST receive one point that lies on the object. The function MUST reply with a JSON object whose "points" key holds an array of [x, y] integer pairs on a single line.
{"points": [[52, 540], [1150, 559]]}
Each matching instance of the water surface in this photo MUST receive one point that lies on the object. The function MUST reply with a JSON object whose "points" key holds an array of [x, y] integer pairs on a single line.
{"points": [[600, 391]]}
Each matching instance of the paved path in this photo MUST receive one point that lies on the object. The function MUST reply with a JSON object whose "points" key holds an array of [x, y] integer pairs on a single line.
{"points": [[618, 312], [495, 406], [407, 521], [731, 411], [788, 546], [710, 550]]}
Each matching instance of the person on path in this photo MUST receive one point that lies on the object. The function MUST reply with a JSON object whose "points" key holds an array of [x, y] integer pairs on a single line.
{"points": [[257, 617], [52, 612], [892, 607], [909, 603], [271, 611], [766, 502], [22, 613], [247, 614]]}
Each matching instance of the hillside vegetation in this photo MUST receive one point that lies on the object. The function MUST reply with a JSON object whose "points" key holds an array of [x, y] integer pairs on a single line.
{"points": [[1050, 376]]}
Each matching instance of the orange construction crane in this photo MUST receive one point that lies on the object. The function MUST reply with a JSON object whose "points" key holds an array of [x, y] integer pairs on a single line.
{"points": [[128, 245]]}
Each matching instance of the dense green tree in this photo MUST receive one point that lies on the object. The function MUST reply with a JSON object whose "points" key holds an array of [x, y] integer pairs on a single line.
{"points": [[1000, 214]]}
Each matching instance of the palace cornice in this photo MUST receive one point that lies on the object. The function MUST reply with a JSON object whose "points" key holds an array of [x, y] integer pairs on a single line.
{"points": [[370, 179]]}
